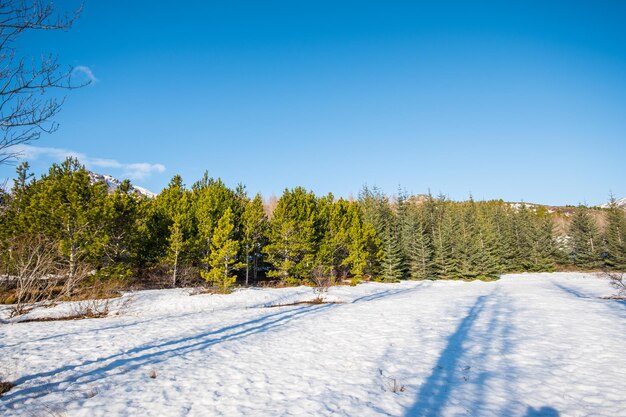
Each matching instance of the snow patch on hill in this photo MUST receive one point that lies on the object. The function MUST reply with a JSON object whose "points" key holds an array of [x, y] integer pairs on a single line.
{"points": [[113, 184], [620, 203]]}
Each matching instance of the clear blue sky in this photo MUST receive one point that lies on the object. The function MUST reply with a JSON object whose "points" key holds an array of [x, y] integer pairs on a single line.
{"points": [[521, 100]]}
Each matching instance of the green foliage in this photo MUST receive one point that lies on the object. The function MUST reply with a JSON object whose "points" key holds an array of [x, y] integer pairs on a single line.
{"points": [[420, 251], [66, 207], [585, 239], [615, 237], [254, 230], [293, 235], [391, 267], [223, 256], [219, 234]]}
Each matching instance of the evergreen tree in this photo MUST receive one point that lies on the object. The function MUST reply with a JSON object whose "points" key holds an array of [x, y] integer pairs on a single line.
{"points": [[293, 236], [122, 211], [487, 263], [333, 248], [254, 224], [391, 268], [615, 237], [445, 259], [420, 252], [69, 209], [179, 235], [585, 238], [363, 246], [211, 200], [223, 256]]}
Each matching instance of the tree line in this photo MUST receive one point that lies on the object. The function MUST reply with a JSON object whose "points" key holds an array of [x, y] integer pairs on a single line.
{"points": [[222, 235]]}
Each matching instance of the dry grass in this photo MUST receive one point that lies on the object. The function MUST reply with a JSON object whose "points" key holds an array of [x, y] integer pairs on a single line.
{"points": [[73, 316], [314, 301], [5, 386]]}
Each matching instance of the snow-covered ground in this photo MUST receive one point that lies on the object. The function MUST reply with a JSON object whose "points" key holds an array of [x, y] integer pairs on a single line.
{"points": [[526, 345]]}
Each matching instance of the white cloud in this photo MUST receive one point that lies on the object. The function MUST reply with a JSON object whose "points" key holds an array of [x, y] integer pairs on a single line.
{"points": [[134, 171], [84, 71]]}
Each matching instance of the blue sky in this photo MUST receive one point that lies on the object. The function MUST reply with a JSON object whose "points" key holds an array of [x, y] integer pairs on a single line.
{"points": [[518, 100]]}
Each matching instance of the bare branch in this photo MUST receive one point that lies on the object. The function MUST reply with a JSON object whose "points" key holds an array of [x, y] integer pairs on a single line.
{"points": [[27, 85]]}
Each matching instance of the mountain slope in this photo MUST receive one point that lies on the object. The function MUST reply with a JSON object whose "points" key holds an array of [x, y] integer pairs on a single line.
{"points": [[113, 184]]}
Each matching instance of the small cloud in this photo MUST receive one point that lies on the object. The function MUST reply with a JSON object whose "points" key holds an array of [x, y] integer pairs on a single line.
{"points": [[133, 171], [86, 72]]}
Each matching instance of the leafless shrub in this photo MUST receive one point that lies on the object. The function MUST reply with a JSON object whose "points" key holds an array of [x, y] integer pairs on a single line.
{"points": [[48, 411], [617, 281], [31, 262], [322, 281], [71, 282], [91, 308], [124, 305], [391, 384], [92, 393]]}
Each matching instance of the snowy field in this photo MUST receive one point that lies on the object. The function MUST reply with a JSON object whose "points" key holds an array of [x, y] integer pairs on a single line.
{"points": [[527, 345]]}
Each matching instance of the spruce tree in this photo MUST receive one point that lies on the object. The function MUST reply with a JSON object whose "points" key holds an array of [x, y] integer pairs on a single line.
{"points": [[420, 252], [444, 246], [391, 267], [615, 237], [585, 239]]}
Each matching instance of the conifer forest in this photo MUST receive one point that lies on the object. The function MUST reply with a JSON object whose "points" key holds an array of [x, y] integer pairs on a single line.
{"points": [[220, 236]]}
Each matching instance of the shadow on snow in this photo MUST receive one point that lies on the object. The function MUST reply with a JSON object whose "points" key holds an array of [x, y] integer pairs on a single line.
{"points": [[483, 339]]}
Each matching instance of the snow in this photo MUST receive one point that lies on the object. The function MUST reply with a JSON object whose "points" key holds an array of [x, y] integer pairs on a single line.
{"points": [[620, 203], [526, 345], [113, 184]]}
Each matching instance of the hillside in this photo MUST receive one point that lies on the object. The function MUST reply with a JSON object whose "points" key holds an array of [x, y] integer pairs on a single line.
{"points": [[113, 184]]}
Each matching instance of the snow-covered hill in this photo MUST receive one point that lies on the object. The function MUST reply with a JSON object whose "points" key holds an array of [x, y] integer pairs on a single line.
{"points": [[620, 203], [526, 345], [113, 184]]}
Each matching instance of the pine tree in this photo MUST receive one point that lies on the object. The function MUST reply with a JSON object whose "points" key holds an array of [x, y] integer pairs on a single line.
{"points": [[254, 224], [211, 199], [178, 239], [69, 209], [334, 246], [223, 256], [293, 236], [122, 212], [363, 246]]}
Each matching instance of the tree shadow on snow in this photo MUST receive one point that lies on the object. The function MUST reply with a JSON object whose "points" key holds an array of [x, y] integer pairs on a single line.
{"points": [[542, 412], [437, 388], [150, 354], [383, 294], [608, 302], [474, 355]]}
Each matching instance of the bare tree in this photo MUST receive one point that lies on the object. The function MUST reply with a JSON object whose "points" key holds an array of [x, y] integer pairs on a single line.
{"points": [[31, 263], [618, 281], [323, 281], [27, 105]]}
